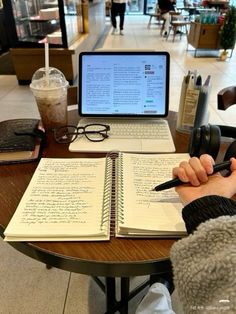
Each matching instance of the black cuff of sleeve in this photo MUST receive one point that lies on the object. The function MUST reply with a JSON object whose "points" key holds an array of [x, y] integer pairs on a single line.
{"points": [[205, 208]]}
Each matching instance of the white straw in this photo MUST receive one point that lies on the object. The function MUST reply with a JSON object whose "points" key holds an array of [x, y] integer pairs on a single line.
{"points": [[47, 62]]}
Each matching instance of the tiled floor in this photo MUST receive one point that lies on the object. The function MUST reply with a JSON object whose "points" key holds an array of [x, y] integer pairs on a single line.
{"points": [[26, 286]]}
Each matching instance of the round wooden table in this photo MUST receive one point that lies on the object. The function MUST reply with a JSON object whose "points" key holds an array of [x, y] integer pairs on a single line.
{"points": [[118, 257]]}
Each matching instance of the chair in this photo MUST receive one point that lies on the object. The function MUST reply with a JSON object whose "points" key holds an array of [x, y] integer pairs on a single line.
{"points": [[72, 98], [226, 97], [178, 22], [72, 104], [157, 15]]}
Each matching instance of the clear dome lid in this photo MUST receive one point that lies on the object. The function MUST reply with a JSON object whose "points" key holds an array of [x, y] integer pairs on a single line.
{"points": [[54, 78]]}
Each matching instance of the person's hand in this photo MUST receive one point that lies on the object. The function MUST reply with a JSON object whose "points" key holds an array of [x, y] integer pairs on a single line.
{"points": [[196, 173]]}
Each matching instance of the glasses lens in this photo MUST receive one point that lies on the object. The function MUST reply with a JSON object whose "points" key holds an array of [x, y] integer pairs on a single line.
{"points": [[96, 132], [65, 134]]}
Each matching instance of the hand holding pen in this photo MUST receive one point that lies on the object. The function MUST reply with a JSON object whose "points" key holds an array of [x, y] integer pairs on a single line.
{"points": [[203, 180]]}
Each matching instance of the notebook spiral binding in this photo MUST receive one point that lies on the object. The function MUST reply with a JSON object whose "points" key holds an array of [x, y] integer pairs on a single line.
{"points": [[120, 192], [110, 191], [107, 194]]}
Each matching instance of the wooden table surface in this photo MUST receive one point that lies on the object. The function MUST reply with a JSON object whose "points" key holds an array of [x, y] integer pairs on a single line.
{"points": [[117, 257]]}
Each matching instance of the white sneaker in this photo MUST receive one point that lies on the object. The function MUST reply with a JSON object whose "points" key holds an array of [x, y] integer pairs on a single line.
{"points": [[114, 31], [122, 33]]}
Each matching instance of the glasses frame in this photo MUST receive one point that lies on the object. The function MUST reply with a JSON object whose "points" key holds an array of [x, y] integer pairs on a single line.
{"points": [[77, 132]]}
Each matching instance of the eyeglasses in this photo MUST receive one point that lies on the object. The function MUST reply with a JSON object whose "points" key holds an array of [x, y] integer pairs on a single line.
{"points": [[93, 132]]}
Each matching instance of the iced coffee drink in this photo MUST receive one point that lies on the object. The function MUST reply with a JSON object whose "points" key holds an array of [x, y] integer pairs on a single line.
{"points": [[50, 92]]}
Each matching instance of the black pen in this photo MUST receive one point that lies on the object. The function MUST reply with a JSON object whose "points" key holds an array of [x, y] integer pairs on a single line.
{"points": [[176, 181]]}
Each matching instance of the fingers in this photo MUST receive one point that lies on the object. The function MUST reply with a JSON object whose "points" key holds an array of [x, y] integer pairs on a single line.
{"points": [[180, 172], [186, 173], [231, 179], [233, 171], [207, 162], [233, 164], [196, 170]]}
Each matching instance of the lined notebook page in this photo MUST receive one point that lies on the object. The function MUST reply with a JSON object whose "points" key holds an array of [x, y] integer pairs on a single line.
{"points": [[142, 210], [64, 200]]}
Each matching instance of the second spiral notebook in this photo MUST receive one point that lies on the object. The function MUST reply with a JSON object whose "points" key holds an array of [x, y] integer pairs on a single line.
{"points": [[91, 199]]}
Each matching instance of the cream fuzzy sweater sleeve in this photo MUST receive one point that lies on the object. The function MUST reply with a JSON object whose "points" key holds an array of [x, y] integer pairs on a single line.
{"points": [[204, 266]]}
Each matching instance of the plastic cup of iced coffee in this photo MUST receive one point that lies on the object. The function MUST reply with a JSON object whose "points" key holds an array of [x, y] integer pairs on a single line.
{"points": [[50, 91]]}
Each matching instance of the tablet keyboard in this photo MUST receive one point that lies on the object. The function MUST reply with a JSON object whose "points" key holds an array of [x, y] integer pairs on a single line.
{"points": [[136, 130]]}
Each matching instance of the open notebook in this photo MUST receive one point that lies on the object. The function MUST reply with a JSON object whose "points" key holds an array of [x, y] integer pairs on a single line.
{"points": [[129, 91], [74, 200]]}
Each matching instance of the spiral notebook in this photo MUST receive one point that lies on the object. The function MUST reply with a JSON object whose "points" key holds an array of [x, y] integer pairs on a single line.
{"points": [[91, 199]]}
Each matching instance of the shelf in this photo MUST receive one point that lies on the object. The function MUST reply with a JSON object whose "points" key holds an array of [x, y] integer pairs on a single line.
{"points": [[38, 19]]}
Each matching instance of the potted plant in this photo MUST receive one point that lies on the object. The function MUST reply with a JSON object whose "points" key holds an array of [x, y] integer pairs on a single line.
{"points": [[228, 32]]}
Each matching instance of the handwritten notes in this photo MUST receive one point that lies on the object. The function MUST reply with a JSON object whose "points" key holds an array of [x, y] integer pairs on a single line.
{"points": [[64, 198], [143, 208], [144, 173]]}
